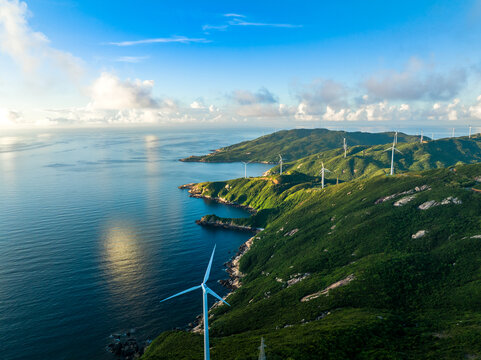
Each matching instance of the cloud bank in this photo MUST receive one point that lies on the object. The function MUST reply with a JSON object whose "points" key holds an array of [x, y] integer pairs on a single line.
{"points": [[31, 49]]}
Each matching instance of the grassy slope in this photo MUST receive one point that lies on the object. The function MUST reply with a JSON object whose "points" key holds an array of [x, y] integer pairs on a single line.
{"points": [[411, 298], [364, 161], [295, 144]]}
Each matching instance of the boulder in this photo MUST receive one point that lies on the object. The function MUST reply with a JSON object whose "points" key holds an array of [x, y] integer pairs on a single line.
{"points": [[419, 234]]}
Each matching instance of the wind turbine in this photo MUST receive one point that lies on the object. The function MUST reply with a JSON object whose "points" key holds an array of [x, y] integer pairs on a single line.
{"points": [[395, 137], [205, 291], [470, 131], [453, 133], [422, 135], [245, 168], [280, 162], [262, 352], [393, 148], [323, 170], [345, 148]]}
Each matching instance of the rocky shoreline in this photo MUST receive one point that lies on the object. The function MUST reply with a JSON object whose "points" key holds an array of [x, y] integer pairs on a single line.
{"points": [[194, 193], [126, 346], [232, 283], [204, 222]]}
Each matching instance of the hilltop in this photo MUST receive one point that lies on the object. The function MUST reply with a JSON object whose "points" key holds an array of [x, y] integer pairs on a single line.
{"points": [[363, 160], [295, 144], [376, 267]]}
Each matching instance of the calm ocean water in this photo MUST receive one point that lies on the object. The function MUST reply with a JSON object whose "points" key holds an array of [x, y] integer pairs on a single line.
{"points": [[94, 232]]}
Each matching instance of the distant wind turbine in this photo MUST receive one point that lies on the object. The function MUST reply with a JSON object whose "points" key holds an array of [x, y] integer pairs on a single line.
{"points": [[245, 169], [345, 148], [453, 133], [393, 148], [470, 131], [262, 352], [395, 137], [323, 170], [280, 163], [205, 291], [422, 135]]}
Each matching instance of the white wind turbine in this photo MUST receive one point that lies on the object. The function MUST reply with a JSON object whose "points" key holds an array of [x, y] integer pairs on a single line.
{"points": [[453, 133], [323, 170], [280, 163], [393, 148], [422, 135], [395, 137], [470, 131], [245, 168], [345, 148], [205, 291], [262, 352]]}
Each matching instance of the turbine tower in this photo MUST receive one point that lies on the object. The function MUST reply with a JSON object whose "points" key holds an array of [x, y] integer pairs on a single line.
{"points": [[280, 163], [393, 148], [323, 170], [345, 148], [453, 133], [395, 137], [205, 291], [262, 352], [470, 131], [245, 169], [422, 135]]}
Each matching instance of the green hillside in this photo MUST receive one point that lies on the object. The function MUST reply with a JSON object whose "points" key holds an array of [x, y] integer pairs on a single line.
{"points": [[363, 161], [295, 144], [385, 267]]}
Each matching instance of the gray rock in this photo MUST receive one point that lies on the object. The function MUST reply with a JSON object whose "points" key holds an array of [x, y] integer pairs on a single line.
{"points": [[419, 234], [428, 204]]}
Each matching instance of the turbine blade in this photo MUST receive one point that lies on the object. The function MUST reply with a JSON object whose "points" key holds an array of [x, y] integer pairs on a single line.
{"points": [[207, 272], [215, 295], [327, 170], [399, 151], [387, 149], [181, 293]]}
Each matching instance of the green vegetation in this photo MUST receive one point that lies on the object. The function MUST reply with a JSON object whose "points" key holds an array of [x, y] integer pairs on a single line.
{"points": [[364, 161], [377, 267], [295, 144]]}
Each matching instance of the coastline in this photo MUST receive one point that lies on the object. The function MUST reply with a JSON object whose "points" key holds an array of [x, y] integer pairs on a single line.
{"points": [[195, 193], [233, 282]]}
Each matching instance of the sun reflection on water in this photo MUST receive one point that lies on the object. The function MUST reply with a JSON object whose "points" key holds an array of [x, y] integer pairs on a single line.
{"points": [[123, 257]]}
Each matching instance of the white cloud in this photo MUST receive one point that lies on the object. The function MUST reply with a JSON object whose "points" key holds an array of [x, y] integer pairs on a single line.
{"points": [[450, 111], [303, 113], [9, 118], [131, 59], [31, 50], [239, 20], [416, 82], [320, 93], [174, 39], [234, 15], [246, 97], [475, 109], [197, 104], [109, 92]]}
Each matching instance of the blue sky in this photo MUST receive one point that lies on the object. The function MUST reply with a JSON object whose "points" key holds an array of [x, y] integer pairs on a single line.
{"points": [[274, 63]]}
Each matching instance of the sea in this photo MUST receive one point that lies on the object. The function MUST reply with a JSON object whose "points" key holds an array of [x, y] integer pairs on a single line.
{"points": [[94, 232]]}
